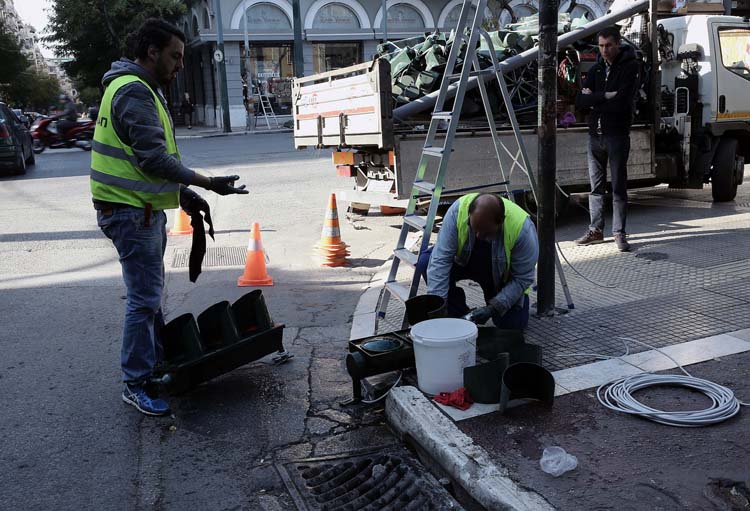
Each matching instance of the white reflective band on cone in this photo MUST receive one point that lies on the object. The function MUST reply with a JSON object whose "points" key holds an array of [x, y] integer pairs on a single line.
{"points": [[331, 232], [332, 214], [254, 245]]}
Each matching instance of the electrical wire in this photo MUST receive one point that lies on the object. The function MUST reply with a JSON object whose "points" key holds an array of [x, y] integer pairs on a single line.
{"points": [[373, 401], [617, 395], [575, 270]]}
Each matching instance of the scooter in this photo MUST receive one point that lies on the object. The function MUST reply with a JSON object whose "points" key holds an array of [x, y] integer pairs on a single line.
{"points": [[45, 135]]}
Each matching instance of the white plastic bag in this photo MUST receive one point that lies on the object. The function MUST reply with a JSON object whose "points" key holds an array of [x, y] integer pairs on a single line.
{"points": [[556, 461]]}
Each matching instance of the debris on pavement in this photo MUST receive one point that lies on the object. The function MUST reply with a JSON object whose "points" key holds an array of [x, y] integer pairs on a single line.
{"points": [[555, 461]]}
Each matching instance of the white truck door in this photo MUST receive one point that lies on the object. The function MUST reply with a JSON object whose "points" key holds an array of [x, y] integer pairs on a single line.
{"points": [[732, 43]]}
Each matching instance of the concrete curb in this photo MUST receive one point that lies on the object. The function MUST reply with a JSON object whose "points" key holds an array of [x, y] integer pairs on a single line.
{"points": [[234, 134], [413, 416]]}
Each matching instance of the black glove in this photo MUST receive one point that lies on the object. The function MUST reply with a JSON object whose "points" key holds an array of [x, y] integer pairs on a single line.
{"points": [[480, 316], [224, 185], [193, 203]]}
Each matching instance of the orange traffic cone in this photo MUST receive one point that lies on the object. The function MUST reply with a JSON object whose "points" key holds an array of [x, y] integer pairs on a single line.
{"points": [[255, 263], [181, 224], [331, 249]]}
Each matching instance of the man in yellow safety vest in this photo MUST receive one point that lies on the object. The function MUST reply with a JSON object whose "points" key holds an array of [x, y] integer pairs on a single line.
{"points": [[136, 174], [493, 242]]}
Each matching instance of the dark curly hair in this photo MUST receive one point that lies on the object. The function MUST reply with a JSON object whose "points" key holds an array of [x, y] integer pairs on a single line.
{"points": [[154, 32]]}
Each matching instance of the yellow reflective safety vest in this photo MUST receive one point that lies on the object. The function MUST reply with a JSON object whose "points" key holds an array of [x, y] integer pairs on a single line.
{"points": [[115, 174], [515, 217]]}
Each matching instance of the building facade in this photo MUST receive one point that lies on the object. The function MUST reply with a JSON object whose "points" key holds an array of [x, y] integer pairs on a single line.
{"points": [[335, 33]]}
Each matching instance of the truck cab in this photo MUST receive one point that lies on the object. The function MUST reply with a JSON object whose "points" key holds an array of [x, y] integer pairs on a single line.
{"points": [[705, 77]]}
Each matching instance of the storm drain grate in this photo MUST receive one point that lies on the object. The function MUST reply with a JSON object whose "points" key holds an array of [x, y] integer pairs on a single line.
{"points": [[653, 256], [380, 481], [215, 256]]}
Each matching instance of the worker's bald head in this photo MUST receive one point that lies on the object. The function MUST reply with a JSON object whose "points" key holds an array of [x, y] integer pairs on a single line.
{"points": [[487, 215]]}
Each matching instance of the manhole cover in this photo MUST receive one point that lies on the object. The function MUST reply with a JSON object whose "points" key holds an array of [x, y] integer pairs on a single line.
{"points": [[378, 481], [215, 256], [653, 256]]}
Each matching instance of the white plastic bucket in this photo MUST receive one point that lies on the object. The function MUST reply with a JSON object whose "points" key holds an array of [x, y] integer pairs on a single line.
{"points": [[442, 348]]}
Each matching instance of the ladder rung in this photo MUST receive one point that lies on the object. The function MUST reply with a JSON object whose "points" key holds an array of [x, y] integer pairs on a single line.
{"points": [[442, 115], [433, 151], [417, 222], [424, 186], [406, 256], [397, 290]]}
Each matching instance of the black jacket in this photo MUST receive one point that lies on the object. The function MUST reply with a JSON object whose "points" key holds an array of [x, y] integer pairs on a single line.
{"points": [[616, 114]]}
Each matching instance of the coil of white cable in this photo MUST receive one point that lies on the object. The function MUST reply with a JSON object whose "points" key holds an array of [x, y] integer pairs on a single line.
{"points": [[617, 395]]}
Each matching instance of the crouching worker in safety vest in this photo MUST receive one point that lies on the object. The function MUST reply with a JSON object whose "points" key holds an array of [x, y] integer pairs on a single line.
{"points": [[136, 174], [493, 242]]}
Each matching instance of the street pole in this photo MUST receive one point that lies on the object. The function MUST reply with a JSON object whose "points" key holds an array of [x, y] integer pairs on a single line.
{"points": [[547, 134], [385, 21], [222, 68], [299, 59], [247, 48]]}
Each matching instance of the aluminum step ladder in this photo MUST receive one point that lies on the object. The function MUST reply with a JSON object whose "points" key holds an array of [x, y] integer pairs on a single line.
{"points": [[266, 108], [436, 152]]}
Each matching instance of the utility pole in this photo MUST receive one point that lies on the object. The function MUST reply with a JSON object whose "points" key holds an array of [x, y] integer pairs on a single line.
{"points": [[299, 59], [219, 56], [547, 135]]}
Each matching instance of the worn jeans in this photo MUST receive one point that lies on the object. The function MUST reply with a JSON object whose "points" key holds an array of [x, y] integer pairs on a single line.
{"points": [[612, 149], [478, 269], [141, 249]]}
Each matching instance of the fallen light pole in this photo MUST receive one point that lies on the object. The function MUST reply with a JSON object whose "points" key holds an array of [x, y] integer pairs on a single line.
{"points": [[428, 102]]}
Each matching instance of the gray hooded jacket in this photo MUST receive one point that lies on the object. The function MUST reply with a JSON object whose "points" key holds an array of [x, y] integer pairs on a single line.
{"points": [[135, 119]]}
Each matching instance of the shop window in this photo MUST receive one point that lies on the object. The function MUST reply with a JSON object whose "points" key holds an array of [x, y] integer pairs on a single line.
{"points": [[330, 56], [404, 17], [270, 71], [335, 17], [267, 17]]}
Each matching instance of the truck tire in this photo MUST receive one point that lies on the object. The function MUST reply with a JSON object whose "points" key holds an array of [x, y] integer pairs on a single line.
{"points": [[723, 181]]}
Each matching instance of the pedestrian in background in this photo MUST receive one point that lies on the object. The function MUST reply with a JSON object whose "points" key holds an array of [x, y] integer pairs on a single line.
{"points": [[186, 109], [136, 174], [609, 92]]}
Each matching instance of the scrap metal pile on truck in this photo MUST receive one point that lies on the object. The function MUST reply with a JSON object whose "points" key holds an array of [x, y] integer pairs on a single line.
{"points": [[692, 125]]}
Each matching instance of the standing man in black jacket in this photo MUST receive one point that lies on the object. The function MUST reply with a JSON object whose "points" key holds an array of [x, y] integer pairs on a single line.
{"points": [[609, 92]]}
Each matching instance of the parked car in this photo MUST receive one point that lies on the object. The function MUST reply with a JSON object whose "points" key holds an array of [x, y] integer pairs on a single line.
{"points": [[16, 144], [25, 119]]}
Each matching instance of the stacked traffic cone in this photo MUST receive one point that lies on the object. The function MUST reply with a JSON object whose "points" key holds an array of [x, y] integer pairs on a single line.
{"points": [[331, 249], [255, 264], [181, 224]]}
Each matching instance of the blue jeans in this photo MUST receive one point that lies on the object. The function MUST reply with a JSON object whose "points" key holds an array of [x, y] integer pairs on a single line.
{"points": [[614, 150], [479, 270], [141, 249]]}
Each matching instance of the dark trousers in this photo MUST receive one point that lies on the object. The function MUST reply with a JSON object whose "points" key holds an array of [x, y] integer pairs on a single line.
{"points": [[612, 149], [479, 270]]}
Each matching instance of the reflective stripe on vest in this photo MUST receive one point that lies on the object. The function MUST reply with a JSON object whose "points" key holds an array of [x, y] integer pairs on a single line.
{"points": [[115, 174], [515, 217]]}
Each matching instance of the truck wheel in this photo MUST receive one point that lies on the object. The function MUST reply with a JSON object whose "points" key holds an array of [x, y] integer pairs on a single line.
{"points": [[723, 182]]}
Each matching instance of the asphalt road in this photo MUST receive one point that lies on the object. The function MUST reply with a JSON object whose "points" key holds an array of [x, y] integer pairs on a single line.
{"points": [[68, 441]]}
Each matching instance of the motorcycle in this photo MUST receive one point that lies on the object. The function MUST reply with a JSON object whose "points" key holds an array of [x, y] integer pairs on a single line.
{"points": [[45, 135]]}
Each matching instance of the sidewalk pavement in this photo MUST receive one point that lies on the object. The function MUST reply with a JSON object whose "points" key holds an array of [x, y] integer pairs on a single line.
{"points": [[183, 133], [685, 289]]}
